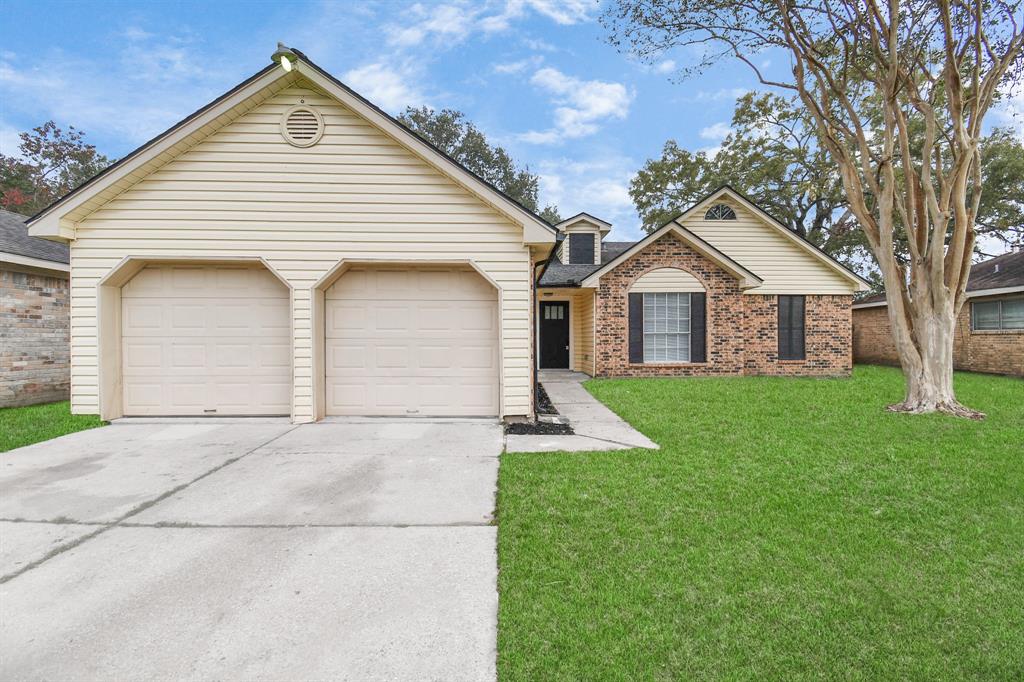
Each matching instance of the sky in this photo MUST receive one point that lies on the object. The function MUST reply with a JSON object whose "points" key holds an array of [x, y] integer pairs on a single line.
{"points": [[537, 76]]}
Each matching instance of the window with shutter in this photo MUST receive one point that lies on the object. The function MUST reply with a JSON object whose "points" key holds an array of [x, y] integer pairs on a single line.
{"points": [[791, 328]]}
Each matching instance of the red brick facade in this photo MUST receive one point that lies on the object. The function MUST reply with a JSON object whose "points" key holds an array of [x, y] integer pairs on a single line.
{"points": [[34, 340], [992, 352], [742, 329]]}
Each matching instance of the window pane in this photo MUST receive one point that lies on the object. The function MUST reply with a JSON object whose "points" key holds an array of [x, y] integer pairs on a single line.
{"points": [[986, 315], [1013, 314]]}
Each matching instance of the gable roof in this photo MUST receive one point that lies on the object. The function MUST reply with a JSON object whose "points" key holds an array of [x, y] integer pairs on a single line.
{"points": [[198, 125], [777, 225], [15, 241], [748, 279], [583, 216], [1003, 274]]}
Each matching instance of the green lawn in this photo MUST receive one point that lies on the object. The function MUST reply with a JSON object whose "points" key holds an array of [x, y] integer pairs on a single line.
{"points": [[787, 529], [26, 425]]}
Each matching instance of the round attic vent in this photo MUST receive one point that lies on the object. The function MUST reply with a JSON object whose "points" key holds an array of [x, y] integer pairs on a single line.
{"points": [[302, 126]]}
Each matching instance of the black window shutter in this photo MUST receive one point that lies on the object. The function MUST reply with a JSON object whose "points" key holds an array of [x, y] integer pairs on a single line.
{"points": [[791, 328], [698, 327], [636, 328], [581, 248]]}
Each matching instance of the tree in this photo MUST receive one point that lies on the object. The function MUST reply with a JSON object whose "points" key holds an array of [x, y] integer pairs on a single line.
{"points": [[772, 155], [450, 132], [52, 163], [898, 93]]}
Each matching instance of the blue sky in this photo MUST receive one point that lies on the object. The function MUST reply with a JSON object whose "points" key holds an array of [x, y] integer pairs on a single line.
{"points": [[535, 75]]}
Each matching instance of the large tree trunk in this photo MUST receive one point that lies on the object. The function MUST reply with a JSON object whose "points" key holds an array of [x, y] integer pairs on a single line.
{"points": [[926, 356]]}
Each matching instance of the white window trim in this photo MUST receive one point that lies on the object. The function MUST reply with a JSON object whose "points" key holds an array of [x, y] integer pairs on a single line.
{"points": [[688, 334]]}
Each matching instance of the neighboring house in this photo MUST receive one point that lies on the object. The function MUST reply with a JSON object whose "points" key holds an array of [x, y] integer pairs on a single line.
{"points": [[989, 334], [292, 249], [34, 340], [722, 289]]}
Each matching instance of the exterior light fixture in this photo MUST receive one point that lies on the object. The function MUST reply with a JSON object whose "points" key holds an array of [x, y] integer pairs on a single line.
{"points": [[284, 56]]}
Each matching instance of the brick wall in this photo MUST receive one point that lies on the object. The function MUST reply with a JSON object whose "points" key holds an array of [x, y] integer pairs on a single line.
{"points": [[1000, 352], [34, 338], [741, 328]]}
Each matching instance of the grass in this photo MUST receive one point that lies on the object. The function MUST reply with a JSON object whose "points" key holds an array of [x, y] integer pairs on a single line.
{"points": [[26, 425], [787, 529]]}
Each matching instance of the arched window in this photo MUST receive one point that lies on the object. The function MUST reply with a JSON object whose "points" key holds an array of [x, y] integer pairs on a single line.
{"points": [[720, 212]]}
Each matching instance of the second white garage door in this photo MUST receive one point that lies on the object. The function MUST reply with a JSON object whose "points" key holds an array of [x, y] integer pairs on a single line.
{"points": [[206, 340], [410, 341]]}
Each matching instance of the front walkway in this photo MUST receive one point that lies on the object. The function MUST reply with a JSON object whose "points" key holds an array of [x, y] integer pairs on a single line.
{"points": [[596, 427], [251, 549]]}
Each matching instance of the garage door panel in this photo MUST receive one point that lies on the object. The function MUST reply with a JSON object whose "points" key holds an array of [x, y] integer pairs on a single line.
{"points": [[412, 340], [206, 340]]}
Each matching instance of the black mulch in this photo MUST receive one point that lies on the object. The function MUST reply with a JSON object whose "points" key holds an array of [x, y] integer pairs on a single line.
{"points": [[538, 429], [544, 406]]}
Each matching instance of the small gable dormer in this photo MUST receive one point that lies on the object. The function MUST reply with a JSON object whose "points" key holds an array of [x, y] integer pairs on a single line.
{"points": [[582, 243]]}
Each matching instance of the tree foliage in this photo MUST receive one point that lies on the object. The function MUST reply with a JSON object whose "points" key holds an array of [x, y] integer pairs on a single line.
{"points": [[52, 163], [773, 156], [449, 131], [898, 92]]}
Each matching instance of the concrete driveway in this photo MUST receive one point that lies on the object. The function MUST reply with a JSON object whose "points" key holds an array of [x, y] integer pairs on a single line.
{"points": [[251, 549]]}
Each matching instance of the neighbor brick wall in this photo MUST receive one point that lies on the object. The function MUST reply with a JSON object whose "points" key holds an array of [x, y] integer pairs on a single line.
{"points": [[34, 338], [1000, 352], [741, 328]]}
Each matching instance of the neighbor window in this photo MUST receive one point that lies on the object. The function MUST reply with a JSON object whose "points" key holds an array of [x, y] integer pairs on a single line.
{"points": [[791, 328], [666, 327], [998, 315]]}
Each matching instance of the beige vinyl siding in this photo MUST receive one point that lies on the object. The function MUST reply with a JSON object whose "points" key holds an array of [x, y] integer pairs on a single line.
{"points": [[581, 324], [668, 280], [785, 266], [357, 194]]}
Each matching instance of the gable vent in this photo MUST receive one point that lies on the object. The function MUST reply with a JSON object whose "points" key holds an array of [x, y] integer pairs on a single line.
{"points": [[302, 126]]}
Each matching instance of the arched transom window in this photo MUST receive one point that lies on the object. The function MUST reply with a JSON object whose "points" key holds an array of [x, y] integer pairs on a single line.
{"points": [[720, 212]]}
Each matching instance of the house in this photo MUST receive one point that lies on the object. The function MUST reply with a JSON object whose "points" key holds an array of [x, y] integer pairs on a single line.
{"points": [[722, 289], [34, 364], [291, 249], [989, 334]]}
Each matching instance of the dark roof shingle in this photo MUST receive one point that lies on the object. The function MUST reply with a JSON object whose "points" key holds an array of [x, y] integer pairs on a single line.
{"points": [[14, 239], [559, 274]]}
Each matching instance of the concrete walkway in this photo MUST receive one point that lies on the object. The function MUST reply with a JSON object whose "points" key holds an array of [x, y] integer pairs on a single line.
{"points": [[596, 427], [251, 550]]}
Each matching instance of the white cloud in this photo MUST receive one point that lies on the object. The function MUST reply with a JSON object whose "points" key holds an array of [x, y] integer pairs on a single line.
{"points": [[581, 105], [667, 66], [9, 140], [450, 23], [519, 66], [562, 12], [724, 93], [599, 186], [716, 131], [387, 87], [141, 87]]}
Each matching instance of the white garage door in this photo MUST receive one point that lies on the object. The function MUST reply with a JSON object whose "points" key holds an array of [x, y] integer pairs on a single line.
{"points": [[211, 340], [412, 341]]}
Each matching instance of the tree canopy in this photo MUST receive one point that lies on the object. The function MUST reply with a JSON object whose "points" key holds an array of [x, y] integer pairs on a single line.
{"points": [[52, 163], [449, 131], [772, 154]]}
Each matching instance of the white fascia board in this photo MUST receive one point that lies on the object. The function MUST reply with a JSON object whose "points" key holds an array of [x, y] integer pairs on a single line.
{"points": [[16, 259]]}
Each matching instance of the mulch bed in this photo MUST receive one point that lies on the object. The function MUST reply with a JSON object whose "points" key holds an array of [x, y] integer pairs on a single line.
{"points": [[538, 428]]}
